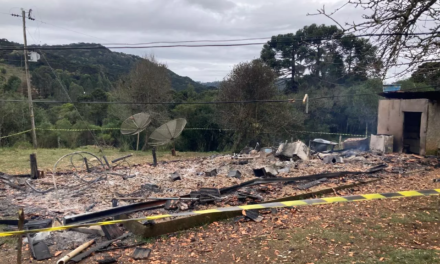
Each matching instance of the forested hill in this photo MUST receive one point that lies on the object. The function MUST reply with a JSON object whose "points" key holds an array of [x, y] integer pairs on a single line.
{"points": [[98, 67]]}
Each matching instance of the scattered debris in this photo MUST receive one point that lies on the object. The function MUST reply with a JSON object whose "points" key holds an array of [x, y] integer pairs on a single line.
{"points": [[186, 194], [6, 180], [94, 216], [296, 151], [93, 230], [211, 173], [175, 176], [361, 144], [38, 224], [332, 159], [39, 249], [267, 151], [261, 172], [90, 207], [309, 185], [243, 162], [381, 143], [253, 215], [169, 205], [243, 195], [234, 174], [74, 253], [246, 150], [112, 231], [10, 222], [284, 170], [270, 171], [102, 245], [208, 195], [141, 253], [107, 260], [151, 187], [321, 145]]}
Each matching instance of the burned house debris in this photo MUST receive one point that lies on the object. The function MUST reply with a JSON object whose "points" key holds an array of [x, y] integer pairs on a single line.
{"points": [[88, 190]]}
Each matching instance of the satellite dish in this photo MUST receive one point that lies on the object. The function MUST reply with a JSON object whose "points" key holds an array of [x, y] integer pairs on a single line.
{"points": [[167, 132], [135, 124]]}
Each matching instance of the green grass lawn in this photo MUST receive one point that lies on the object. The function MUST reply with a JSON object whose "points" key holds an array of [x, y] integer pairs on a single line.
{"points": [[16, 161]]}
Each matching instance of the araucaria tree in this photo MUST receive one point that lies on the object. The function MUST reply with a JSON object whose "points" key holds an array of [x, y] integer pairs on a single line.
{"points": [[317, 54]]}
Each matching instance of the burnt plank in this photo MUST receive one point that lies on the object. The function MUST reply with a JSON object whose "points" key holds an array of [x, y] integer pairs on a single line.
{"points": [[112, 231], [141, 253], [39, 250]]}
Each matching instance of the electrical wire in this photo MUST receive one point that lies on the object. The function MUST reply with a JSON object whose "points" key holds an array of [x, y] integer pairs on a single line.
{"points": [[162, 103], [213, 102], [99, 46]]}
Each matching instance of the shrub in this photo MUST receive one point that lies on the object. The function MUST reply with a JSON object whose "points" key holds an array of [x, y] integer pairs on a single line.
{"points": [[22, 145]]}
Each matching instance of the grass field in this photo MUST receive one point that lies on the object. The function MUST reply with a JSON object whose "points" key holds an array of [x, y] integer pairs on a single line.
{"points": [[16, 161]]}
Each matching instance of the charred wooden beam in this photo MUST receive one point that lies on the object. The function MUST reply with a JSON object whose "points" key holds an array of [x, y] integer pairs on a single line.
{"points": [[34, 166], [94, 216]]}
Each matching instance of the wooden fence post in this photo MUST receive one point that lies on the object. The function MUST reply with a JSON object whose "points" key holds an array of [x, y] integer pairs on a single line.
{"points": [[19, 240], [34, 166], [154, 157]]}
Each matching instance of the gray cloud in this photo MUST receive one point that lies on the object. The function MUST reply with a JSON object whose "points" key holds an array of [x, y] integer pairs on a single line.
{"points": [[134, 21], [213, 5]]}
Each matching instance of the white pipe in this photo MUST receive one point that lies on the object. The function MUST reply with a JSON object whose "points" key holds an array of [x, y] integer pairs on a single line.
{"points": [[72, 254]]}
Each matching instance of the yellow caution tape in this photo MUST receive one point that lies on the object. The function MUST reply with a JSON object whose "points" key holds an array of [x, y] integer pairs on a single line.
{"points": [[17, 134], [213, 129], [76, 130], [328, 200]]}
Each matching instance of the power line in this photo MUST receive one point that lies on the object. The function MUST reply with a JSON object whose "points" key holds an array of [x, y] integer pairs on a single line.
{"points": [[99, 46], [64, 28], [187, 41], [213, 102], [162, 103]]}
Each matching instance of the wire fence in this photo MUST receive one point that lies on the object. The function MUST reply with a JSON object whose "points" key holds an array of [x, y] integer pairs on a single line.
{"points": [[185, 129]]}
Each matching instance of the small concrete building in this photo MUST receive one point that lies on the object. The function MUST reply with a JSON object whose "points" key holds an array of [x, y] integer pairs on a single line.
{"points": [[413, 118]]}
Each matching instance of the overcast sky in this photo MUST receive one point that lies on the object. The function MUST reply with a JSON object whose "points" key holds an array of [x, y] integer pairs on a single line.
{"points": [[140, 21]]}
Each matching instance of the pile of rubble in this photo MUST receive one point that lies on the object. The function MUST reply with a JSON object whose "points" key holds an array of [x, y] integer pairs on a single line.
{"points": [[93, 190]]}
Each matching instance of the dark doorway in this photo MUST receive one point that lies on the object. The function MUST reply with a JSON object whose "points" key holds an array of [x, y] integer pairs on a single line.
{"points": [[411, 132]]}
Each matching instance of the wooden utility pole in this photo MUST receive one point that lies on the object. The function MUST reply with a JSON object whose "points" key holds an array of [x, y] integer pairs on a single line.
{"points": [[28, 81], [294, 87]]}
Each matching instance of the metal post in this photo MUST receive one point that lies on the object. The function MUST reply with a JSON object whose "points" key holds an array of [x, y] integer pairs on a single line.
{"points": [[306, 102], [137, 144], [31, 107], [340, 141]]}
